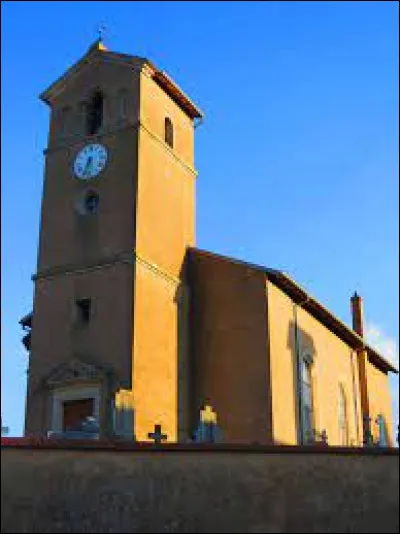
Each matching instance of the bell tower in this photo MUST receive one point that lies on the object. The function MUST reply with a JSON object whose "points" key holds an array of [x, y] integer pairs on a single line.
{"points": [[110, 301]]}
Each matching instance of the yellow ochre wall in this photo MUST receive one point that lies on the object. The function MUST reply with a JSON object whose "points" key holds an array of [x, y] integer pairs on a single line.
{"points": [[283, 382], [334, 363], [166, 181], [164, 229]]}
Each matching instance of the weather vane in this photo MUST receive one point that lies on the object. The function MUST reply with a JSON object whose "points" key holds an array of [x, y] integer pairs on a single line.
{"points": [[101, 31]]}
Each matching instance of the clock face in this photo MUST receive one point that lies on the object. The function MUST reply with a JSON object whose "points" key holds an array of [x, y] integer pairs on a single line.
{"points": [[90, 161]]}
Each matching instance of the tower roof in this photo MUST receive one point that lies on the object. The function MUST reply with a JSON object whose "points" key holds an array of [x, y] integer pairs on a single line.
{"points": [[98, 45], [97, 51]]}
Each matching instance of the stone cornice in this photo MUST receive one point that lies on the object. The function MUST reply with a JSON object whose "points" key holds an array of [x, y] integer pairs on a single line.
{"points": [[154, 136], [74, 371], [155, 269], [71, 142], [73, 268], [121, 258]]}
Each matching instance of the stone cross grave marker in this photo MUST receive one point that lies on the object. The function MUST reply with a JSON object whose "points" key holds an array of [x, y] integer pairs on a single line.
{"points": [[324, 437], [157, 435]]}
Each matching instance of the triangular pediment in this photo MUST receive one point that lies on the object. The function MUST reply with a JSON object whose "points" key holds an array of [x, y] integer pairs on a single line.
{"points": [[74, 371]]}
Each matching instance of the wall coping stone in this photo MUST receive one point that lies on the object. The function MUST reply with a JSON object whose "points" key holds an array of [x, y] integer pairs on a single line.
{"points": [[40, 443]]}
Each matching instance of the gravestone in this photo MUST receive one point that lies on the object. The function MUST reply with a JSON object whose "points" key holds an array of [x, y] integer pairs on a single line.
{"points": [[123, 414], [208, 430], [382, 439], [4, 429], [157, 436]]}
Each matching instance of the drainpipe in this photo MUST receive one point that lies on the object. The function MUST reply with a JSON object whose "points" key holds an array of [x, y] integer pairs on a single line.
{"points": [[298, 370]]}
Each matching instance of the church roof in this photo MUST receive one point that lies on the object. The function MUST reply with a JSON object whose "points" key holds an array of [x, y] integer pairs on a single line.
{"points": [[312, 306], [98, 50]]}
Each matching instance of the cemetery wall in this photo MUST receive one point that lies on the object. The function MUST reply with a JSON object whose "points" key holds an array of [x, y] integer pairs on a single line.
{"points": [[180, 489]]}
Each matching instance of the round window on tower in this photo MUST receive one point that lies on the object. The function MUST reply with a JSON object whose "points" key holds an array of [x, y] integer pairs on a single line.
{"points": [[91, 202], [87, 203]]}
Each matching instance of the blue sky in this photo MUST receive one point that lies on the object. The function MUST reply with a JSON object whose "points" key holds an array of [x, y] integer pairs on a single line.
{"points": [[297, 157]]}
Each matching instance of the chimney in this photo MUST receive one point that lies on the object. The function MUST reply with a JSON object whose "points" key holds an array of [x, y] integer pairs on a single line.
{"points": [[357, 314]]}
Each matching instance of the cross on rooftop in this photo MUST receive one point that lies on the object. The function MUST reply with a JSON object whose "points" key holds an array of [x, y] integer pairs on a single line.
{"points": [[101, 31], [157, 435]]}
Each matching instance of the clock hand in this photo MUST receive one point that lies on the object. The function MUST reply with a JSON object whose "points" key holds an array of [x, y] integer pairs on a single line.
{"points": [[88, 166], [85, 169]]}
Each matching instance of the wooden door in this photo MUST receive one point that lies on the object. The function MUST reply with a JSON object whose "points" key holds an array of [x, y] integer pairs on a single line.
{"points": [[75, 412]]}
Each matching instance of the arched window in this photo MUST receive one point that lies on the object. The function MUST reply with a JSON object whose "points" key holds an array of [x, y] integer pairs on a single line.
{"points": [[342, 419], [87, 203], [94, 113], [169, 132], [307, 412]]}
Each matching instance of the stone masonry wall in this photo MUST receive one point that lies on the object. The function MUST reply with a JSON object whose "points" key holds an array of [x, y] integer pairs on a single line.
{"points": [[50, 490]]}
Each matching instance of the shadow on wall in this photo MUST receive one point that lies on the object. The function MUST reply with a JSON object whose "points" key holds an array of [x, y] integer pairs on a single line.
{"points": [[190, 401], [185, 380]]}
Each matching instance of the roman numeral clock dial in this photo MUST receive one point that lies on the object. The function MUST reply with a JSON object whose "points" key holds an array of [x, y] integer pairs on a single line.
{"points": [[90, 161]]}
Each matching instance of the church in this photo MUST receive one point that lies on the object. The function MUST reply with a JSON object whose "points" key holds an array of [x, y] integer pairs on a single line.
{"points": [[136, 327]]}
